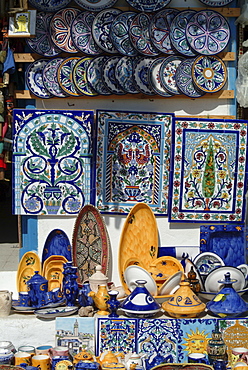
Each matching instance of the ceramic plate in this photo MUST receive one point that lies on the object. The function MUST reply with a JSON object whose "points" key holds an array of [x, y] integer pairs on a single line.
{"points": [[139, 35], [52, 313], [212, 281], [207, 261], [154, 79], [49, 5], [64, 76], [159, 30], [133, 273], [34, 79], [216, 3], [209, 73], [30, 262], [148, 5], [60, 29], [119, 33], [81, 34], [51, 259], [95, 5], [50, 79], [184, 80], [167, 265], [171, 284], [167, 73], [94, 75], [42, 42], [54, 273], [188, 265], [108, 75], [101, 29], [63, 365], [178, 33], [140, 75], [124, 74], [208, 32], [80, 79], [23, 278]]}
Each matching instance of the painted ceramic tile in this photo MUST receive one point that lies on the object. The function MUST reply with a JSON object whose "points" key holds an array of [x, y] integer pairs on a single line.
{"points": [[117, 335], [132, 160], [52, 153], [75, 333], [209, 170]]}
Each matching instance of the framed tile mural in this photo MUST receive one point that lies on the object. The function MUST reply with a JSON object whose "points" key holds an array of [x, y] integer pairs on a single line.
{"points": [[209, 170], [132, 160], [52, 154]]}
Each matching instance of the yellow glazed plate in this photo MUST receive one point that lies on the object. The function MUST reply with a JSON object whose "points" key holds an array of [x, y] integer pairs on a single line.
{"points": [[30, 262], [54, 273], [54, 258], [63, 365], [22, 279], [167, 265], [139, 238]]}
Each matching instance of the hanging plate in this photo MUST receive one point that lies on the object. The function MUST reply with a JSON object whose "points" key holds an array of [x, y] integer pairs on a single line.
{"points": [[154, 78], [49, 5], [140, 75], [167, 73], [64, 76], [80, 79], [50, 79], [95, 5], [184, 80], [94, 75], [216, 3], [148, 5], [124, 74], [109, 78], [34, 79], [119, 33]]}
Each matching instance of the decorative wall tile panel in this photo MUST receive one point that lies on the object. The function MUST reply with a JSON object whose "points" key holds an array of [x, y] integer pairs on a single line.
{"points": [[52, 153]]}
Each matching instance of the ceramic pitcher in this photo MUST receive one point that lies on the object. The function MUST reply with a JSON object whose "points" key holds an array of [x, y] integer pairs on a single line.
{"points": [[5, 302]]}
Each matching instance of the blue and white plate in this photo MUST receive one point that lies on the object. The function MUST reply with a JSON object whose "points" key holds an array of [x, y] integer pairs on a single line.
{"points": [[124, 74], [109, 78], [81, 34], [167, 73], [50, 79], [94, 75], [120, 34], [140, 75], [101, 29], [154, 77], [159, 30], [80, 79], [216, 3], [95, 5], [148, 5], [184, 80], [34, 79], [49, 5], [178, 33], [64, 76]]}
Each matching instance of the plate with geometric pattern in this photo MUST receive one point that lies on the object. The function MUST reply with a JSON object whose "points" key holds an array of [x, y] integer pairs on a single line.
{"points": [[34, 78], [49, 5], [64, 76], [148, 5], [95, 5], [50, 78]]}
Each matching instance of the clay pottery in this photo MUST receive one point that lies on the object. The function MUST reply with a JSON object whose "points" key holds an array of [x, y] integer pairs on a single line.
{"points": [[100, 299], [5, 303], [98, 278], [184, 303]]}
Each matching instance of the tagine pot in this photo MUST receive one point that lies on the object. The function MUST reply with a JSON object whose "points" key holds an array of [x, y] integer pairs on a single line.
{"points": [[184, 303]]}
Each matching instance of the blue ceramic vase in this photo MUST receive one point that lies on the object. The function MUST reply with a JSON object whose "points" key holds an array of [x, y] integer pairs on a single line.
{"points": [[83, 299], [113, 303], [70, 285]]}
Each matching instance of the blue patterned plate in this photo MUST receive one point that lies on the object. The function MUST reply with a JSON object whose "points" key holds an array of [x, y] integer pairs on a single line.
{"points": [[178, 33], [216, 3], [208, 32], [124, 74], [184, 80], [154, 78], [80, 79], [64, 76], [141, 72], [159, 30], [167, 73], [34, 79], [209, 73], [81, 34], [42, 42], [94, 75], [50, 79], [49, 5], [95, 5], [119, 33], [148, 5], [139, 35], [108, 75], [61, 29], [101, 29]]}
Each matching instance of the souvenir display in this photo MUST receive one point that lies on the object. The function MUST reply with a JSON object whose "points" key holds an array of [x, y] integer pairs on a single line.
{"points": [[167, 73], [34, 79], [79, 77], [208, 32], [65, 77], [101, 29], [140, 75], [94, 75], [50, 78], [148, 6], [109, 78], [81, 34], [178, 35], [154, 77], [216, 3], [42, 43], [49, 5], [95, 6], [139, 35], [184, 79], [159, 30], [209, 73], [124, 74], [119, 33], [60, 29]]}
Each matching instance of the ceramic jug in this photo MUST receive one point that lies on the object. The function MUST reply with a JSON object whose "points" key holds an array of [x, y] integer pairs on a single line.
{"points": [[37, 288], [5, 302], [100, 299]]}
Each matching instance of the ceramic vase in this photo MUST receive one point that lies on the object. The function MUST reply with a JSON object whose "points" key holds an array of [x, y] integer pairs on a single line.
{"points": [[216, 347], [5, 302], [100, 299], [113, 303], [70, 285]]}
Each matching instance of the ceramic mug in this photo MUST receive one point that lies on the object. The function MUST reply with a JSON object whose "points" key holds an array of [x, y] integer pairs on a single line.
{"points": [[239, 354], [42, 362], [59, 351], [198, 358], [22, 357], [56, 294], [24, 299], [28, 349], [43, 350]]}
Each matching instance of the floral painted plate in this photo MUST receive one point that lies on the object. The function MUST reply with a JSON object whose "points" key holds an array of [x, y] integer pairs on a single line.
{"points": [[64, 76], [81, 34], [184, 80], [140, 75], [148, 5], [49, 5], [101, 29], [154, 78], [42, 43], [50, 79], [61, 29], [178, 33], [159, 30], [167, 73], [108, 75], [94, 75], [80, 79], [216, 3], [95, 5], [208, 32], [34, 79], [209, 73], [139, 35], [120, 34], [124, 74]]}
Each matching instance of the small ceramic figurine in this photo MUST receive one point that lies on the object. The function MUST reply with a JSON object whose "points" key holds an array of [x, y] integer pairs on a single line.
{"points": [[100, 299]]}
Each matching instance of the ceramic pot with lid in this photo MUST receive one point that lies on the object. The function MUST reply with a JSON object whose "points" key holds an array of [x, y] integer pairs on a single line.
{"points": [[98, 278], [37, 289]]}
